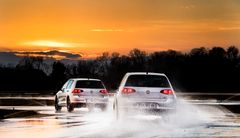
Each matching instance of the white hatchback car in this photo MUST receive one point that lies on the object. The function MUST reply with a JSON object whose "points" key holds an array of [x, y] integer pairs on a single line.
{"points": [[82, 92], [146, 91]]}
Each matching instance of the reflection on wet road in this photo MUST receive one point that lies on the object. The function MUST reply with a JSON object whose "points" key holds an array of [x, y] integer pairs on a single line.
{"points": [[189, 121]]}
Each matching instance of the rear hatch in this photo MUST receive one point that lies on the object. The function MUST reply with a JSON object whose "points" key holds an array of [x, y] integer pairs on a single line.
{"points": [[91, 88], [147, 88]]}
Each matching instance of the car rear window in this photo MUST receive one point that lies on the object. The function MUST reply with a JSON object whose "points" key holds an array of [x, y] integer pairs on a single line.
{"points": [[147, 81], [89, 84]]}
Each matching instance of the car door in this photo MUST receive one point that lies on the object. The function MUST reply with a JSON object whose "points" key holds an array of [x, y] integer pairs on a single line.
{"points": [[63, 93]]}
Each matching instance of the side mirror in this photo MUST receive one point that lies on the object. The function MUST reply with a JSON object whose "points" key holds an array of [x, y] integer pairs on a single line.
{"points": [[63, 89]]}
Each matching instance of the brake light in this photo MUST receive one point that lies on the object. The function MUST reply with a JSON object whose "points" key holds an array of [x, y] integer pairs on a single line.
{"points": [[77, 91], [167, 91], [103, 91], [128, 90]]}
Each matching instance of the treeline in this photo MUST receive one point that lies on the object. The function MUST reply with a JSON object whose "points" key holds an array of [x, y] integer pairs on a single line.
{"points": [[200, 70]]}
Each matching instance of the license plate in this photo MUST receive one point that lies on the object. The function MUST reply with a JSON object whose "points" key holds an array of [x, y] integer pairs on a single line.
{"points": [[89, 99], [147, 105]]}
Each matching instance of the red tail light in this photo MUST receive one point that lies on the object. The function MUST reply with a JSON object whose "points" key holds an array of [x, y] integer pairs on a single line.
{"points": [[103, 91], [167, 91], [128, 90], [77, 91]]}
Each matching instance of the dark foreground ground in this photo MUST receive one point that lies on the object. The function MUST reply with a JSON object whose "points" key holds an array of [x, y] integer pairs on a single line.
{"points": [[194, 118]]}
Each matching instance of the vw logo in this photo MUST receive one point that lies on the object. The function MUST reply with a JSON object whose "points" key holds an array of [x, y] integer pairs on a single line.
{"points": [[91, 92], [148, 92]]}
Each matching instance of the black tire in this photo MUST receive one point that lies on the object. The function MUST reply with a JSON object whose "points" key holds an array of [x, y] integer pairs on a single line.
{"points": [[104, 107], [57, 107], [70, 107], [90, 107]]}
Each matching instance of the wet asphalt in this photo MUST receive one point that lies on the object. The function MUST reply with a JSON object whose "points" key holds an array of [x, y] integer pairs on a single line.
{"points": [[189, 121]]}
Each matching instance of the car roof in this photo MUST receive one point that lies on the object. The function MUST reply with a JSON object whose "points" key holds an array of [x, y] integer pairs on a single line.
{"points": [[144, 73], [91, 79]]}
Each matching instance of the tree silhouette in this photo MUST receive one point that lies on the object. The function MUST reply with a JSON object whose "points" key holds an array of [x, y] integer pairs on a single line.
{"points": [[58, 74], [201, 70], [232, 53], [138, 60]]}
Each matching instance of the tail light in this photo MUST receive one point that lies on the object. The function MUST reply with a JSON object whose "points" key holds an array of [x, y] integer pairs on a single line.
{"points": [[77, 91], [103, 91], [167, 91], [128, 90]]}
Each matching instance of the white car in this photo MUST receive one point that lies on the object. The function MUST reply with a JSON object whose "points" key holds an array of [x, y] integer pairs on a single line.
{"points": [[142, 90], [82, 92]]}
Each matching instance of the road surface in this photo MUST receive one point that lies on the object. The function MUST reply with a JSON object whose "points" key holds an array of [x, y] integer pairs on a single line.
{"points": [[189, 121]]}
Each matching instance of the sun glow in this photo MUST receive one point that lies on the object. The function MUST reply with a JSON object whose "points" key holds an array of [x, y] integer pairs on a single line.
{"points": [[91, 27], [48, 43]]}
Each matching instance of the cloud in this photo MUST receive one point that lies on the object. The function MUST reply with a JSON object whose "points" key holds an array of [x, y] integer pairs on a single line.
{"points": [[106, 30], [13, 58], [188, 6], [53, 53], [229, 28]]}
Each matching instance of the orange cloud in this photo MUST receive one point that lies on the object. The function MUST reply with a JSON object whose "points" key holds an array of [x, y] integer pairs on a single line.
{"points": [[107, 30]]}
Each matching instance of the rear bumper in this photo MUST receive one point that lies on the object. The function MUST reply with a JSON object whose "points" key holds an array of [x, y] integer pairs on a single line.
{"points": [[90, 104], [89, 100], [147, 104]]}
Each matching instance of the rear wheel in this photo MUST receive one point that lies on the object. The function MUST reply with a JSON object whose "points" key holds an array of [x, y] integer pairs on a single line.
{"points": [[90, 107], [70, 107], [103, 107], [168, 115], [57, 107]]}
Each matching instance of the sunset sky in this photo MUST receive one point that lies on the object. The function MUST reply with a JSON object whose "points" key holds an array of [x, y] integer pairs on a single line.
{"points": [[90, 27]]}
